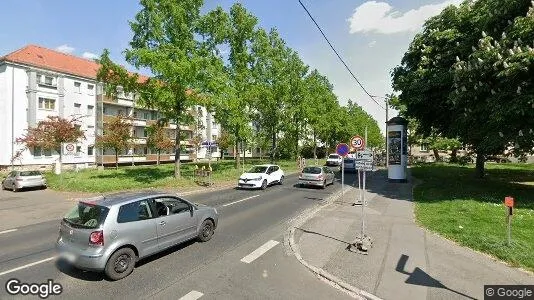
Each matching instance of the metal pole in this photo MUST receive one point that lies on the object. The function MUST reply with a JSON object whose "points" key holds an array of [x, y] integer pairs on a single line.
{"points": [[343, 176], [387, 146], [12, 117], [509, 229], [363, 205]]}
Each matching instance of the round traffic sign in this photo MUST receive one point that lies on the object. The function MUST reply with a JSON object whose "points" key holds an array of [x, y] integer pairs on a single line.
{"points": [[70, 147], [357, 143], [342, 149]]}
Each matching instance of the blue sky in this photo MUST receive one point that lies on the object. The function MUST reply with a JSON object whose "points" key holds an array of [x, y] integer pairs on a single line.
{"points": [[370, 35]]}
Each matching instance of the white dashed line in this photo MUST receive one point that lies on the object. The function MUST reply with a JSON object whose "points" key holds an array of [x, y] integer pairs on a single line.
{"points": [[27, 266], [193, 295], [259, 252], [8, 231], [231, 203]]}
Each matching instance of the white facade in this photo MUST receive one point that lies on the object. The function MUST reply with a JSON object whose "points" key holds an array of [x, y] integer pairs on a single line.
{"points": [[29, 95]]}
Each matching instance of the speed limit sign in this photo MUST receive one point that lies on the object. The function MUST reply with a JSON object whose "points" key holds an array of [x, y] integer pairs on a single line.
{"points": [[357, 143]]}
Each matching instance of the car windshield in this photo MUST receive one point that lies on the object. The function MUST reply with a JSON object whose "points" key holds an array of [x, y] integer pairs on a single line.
{"points": [[258, 169], [333, 156], [312, 170], [86, 215], [30, 173]]}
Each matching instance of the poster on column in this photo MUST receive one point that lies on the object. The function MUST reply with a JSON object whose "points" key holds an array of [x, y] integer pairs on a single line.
{"points": [[394, 138]]}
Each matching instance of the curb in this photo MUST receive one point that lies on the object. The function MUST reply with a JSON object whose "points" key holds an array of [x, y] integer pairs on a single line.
{"points": [[322, 274]]}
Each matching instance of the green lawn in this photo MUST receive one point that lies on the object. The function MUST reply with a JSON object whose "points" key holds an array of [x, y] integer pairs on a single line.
{"points": [[470, 211], [140, 177]]}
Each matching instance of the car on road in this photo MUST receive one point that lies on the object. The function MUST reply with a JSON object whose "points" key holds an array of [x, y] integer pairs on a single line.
{"points": [[349, 164], [261, 176], [111, 233], [17, 180], [316, 176], [334, 160]]}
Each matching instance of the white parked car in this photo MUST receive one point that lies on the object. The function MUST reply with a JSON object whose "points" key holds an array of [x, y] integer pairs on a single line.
{"points": [[334, 160], [261, 176]]}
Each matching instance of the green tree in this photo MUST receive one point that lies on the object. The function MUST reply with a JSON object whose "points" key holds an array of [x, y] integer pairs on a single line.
{"points": [[51, 134], [117, 136], [167, 40], [158, 139], [469, 75]]}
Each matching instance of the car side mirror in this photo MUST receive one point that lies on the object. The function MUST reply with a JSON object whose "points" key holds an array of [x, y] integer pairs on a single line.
{"points": [[191, 209]]}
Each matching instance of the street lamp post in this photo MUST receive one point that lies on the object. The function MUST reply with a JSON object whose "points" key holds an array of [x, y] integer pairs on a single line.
{"points": [[386, 99]]}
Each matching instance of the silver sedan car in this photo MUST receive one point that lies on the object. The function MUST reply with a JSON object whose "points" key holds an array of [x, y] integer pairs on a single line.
{"points": [[110, 234], [17, 180], [317, 176]]}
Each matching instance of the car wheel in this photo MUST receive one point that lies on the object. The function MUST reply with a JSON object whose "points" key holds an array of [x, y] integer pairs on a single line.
{"points": [[120, 264], [264, 184], [206, 231], [281, 181]]}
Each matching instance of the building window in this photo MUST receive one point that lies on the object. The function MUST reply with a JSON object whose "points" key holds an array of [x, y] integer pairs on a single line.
{"points": [[46, 103], [77, 108], [77, 87], [90, 110], [91, 150], [120, 112], [213, 137], [145, 150], [145, 133], [145, 116], [91, 89], [154, 115], [78, 150], [424, 147], [135, 114], [46, 80], [39, 152]]}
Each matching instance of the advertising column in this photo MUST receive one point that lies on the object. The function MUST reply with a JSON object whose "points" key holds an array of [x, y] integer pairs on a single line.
{"points": [[398, 149]]}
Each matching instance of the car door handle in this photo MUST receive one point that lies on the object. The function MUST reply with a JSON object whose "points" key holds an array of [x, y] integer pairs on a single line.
{"points": [[162, 223]]}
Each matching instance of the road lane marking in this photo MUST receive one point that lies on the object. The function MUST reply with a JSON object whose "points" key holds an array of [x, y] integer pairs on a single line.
{"points": [[232, 203], [8, 231], [28, 265], [259, 252], [193, 295]]}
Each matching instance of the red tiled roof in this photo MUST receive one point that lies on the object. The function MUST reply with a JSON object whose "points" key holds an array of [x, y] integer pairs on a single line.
{"points": [[37, 56]]}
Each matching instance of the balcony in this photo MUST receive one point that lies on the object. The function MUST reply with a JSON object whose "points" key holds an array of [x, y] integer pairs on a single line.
{"points": [[139, 140], [139, 122]]}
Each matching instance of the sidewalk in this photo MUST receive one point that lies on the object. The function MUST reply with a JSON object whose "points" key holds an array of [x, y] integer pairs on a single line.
{"points": [[405, 261]]}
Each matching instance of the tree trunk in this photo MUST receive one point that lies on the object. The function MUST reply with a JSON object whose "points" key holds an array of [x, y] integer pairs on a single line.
{"points": [[297, 131], [116, 159], [244, 152], [237, 154], [273, 146], [454, 156], [479, 170], [436, 155], [159, 151], [177, 151], [314, 146]]}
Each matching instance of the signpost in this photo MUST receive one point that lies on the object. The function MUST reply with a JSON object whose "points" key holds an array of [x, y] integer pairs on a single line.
{"points": [[364, 163], [342, 150], [509, 203], [357, 143]]}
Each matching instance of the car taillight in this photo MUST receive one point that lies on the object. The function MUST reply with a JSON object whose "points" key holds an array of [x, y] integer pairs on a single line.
{"points": [[320, 177], [97, 238]]}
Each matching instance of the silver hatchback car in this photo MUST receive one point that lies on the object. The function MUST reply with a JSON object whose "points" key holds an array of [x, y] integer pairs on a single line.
{"points": [[317, 176], [17, 180], [111, 233]]}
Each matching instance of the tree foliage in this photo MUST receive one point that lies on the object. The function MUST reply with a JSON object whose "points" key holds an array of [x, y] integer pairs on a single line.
{"points": [[158, 139], [469, 75], [117, 136], [51, 134]]}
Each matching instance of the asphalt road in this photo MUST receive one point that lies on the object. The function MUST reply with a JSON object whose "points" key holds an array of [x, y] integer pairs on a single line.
{"points": [[212, 270]]}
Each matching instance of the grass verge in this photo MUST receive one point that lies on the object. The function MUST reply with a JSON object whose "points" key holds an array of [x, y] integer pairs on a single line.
{"points": [[140, 177], [470, 211]]}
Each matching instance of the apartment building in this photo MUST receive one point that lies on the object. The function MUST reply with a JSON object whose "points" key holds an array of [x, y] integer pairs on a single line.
{"points": [[36, 82]]}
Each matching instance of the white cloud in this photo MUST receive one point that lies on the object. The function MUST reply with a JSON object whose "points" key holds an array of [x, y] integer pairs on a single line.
{"points": [[380, 17], [372, 44], [65, 48], [89, 55]]}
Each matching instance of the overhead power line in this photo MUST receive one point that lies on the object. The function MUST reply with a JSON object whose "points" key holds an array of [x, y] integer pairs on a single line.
{"points": [[339, 56]]}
